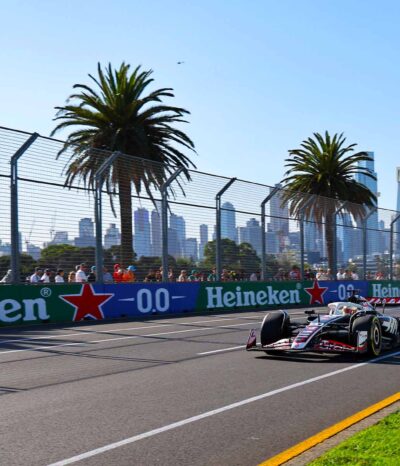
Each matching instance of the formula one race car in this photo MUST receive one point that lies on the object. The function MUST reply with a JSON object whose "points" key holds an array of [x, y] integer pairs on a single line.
{"points": [[348, 327]]}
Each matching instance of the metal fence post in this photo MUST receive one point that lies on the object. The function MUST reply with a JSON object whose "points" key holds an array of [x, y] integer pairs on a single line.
{"points": [[164, 221], [301, 220], [15, 252], [98, 211], [263, 242], [365, 246], [334, 271], [391, 245], [218, 248]]}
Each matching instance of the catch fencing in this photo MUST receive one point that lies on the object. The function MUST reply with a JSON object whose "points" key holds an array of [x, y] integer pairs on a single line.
{"points": [[60, 208]]}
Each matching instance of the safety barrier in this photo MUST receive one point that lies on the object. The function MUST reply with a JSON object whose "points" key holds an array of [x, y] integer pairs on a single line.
{"points": [[25, 305]]}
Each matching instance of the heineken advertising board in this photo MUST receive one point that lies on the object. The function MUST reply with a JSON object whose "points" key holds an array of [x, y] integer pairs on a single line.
{"points": [[29, 304]]}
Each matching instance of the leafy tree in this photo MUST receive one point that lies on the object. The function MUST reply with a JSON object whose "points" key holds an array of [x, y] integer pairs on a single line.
{"points": [[116, 114], [248, 259], [326, 167], [230, 253], [234, 257], [28, 265]]}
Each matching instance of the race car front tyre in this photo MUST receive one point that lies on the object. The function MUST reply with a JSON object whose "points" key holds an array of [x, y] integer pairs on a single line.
{"points": [[372, 326], [274, 327]]}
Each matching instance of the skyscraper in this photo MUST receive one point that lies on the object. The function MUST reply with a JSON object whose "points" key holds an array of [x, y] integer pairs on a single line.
{"points": [[251, 234], [178, 224], [279, 219], [228, 221], [112, 236], [372, 185], [142, 245], [203, 240], [86, 233], [156, 243], [396, 245]]}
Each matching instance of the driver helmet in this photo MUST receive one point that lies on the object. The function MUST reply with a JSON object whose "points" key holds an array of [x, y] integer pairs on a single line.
{"points": [[349, 309]]}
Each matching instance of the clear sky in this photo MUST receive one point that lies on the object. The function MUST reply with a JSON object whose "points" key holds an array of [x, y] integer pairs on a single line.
{"points": [[259, 75]]}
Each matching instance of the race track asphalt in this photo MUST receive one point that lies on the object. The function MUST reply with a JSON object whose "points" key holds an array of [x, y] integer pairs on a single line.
{"points": [[70, 390]]}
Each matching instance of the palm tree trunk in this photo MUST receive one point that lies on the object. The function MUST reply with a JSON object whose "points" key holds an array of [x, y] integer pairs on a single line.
{"points": [[329, 238], [125, 209]]}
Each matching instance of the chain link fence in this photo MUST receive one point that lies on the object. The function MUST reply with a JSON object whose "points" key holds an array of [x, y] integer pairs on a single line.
{"points": [[139, 220]]}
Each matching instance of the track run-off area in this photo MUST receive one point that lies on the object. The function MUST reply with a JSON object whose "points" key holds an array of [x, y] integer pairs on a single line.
{"points": [[172, 391]]}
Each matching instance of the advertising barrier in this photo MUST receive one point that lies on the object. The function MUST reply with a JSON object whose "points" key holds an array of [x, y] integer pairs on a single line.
{"points": [[29, 304]]}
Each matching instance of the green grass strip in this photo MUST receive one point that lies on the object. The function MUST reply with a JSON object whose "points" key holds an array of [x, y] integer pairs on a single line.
{"points": [[379, 445]]}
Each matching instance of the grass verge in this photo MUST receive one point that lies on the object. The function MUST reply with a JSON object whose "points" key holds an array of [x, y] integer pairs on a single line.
{"points": [[379, 445]]}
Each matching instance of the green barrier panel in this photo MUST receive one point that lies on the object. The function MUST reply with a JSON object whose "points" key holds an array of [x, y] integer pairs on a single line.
{"points": [[243, 295], [384, 289], [24, 304]]}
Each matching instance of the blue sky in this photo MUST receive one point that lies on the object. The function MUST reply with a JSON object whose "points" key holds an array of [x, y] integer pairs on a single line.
{"points": [[259, 76]]}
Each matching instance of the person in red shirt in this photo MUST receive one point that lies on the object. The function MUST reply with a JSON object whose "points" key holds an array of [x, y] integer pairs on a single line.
{"points": [[118, 274]]}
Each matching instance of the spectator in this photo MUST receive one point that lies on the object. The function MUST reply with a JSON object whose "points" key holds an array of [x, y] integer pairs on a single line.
{"points": [[378, 276], [328, 274], [107, 277], [341, 275], [151, 276], [212, 277], [253, 277], [129, 276], [118, 273], [46, 276], [183, 276], [354, 275], [347, 274], [193, 276], [71, 276], [171, 276], [294, 274], [36, 276], [91, 278], [7, 277], [322, 274], [225, 276], [158, 275], [309, 274], [280, 275], [80, 276], [59, 278]]}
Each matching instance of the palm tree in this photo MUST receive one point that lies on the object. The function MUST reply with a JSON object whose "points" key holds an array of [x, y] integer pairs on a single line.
{"points": [[116, 115], [326, 166]]}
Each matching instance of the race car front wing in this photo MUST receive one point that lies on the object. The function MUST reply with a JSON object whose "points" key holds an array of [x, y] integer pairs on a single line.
{"points": [[321, 346]]}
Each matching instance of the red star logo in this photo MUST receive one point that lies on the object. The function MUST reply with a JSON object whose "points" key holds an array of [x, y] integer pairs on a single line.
{"points": [[87, 303], [316, 293]]}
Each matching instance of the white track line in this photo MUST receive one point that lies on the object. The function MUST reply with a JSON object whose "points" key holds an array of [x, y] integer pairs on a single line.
{"points": [[83, 333], [222, 350], [127, 337], [183, 422]]}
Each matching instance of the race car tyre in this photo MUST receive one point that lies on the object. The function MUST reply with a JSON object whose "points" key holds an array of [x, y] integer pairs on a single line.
{"points": [[274, 327], [372, 326]]}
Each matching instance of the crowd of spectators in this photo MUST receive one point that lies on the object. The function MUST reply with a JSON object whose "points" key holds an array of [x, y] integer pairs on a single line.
{"points": [[84, 274]]}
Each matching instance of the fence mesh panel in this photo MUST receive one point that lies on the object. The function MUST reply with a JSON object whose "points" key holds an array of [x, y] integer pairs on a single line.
{"points": [[57, 224]]}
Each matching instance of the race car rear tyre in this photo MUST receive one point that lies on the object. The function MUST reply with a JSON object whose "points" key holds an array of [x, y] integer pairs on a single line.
{"points": [[274, 327], [372, 326]]}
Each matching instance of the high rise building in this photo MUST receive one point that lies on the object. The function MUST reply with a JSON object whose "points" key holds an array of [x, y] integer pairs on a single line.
{"points": [[228, 221], [372, 185], [279, 219], [251, 234], [191, 251], [156, 240], [203, 240], [178, 224], [86, 234], [112, 236], [396, 245], [141, 243]]}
